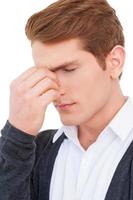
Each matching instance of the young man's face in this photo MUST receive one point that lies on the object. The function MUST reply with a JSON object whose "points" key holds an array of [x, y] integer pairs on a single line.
{"points": [[87, 87]]}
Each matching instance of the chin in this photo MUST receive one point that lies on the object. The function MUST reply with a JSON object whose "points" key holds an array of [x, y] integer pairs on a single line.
{"points": [[70, 122], [73, 121]]}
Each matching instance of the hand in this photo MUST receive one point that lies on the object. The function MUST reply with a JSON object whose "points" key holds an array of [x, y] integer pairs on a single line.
{"points": [[30, 94]]}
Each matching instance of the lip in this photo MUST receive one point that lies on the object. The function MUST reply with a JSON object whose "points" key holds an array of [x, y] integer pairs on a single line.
{"points": [[64, 106]]}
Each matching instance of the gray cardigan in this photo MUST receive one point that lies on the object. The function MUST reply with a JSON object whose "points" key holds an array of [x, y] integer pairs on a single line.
{"points": [[26, 164]]}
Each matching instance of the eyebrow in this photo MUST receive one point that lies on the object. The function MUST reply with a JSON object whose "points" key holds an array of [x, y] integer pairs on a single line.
{"points": [[66, 64]]}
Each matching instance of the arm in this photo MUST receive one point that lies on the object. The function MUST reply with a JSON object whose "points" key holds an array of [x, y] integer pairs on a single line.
{"points": [[17, 155], [30, 95]]}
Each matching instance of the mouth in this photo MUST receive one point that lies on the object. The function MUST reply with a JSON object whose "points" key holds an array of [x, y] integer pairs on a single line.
{"points": [[64, 106]]}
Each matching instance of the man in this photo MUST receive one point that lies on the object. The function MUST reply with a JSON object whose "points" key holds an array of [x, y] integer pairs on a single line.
{"points": [[78, 50]]}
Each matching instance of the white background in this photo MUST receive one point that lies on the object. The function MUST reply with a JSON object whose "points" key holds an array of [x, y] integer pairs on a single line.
{"points": [[15, 50]]}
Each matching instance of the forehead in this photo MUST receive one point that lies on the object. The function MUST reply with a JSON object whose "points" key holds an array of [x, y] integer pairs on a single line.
{"points": [[56, 53]]}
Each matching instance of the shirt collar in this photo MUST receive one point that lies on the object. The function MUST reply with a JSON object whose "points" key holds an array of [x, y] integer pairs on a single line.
{"points": [[69, 131], [121, 124]]}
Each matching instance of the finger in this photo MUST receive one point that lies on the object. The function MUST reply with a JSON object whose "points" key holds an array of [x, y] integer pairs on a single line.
{"points": [[26, 74], [48, 72], [41, 87], [36, 77], [48, 97]]}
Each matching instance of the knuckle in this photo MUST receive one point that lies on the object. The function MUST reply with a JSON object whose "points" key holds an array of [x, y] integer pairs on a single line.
{"points": [[27, 98], [12, 84], [19, 90]]}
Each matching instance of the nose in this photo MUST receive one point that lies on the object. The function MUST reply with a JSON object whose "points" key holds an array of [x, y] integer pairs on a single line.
{"points": [[61, 88], [61, 92]]}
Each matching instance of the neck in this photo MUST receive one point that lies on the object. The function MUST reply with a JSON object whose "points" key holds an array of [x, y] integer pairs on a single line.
{"points": [[89, 131]]}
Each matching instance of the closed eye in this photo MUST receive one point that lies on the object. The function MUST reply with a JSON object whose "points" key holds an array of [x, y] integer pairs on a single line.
{"points": [[69, 70]]}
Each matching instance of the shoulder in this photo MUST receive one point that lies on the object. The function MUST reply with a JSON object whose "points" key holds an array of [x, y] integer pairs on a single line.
{"points": [[46, 135], [43, 139]]}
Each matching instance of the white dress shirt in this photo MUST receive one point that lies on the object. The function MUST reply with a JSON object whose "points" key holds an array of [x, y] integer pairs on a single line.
{"points": [[80, 174]]}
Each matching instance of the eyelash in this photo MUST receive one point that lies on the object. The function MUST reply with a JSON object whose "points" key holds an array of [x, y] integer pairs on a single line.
{"points": [[68, 70]]}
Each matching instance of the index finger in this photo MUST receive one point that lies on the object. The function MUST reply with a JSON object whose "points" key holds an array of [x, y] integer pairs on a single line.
{"points": [[48, 73]]}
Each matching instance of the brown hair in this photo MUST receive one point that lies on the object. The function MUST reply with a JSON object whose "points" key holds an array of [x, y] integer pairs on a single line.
{"points": [[94, 22]]}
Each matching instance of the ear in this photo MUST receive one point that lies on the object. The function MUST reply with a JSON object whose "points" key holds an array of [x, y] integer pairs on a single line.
{"points": [[115, 61]]}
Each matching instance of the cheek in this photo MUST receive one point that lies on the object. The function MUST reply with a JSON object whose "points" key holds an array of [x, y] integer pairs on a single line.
{"points": [[96, 95], [85, 86], [93, 89]]}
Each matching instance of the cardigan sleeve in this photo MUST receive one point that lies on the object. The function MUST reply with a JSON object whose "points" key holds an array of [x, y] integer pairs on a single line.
{"points": [[17, 157]]}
